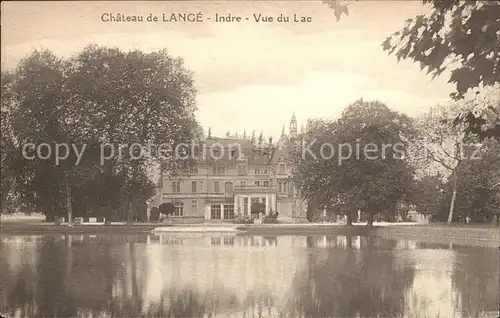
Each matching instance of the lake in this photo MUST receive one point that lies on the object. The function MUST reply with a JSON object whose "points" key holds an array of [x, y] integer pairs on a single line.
{"points": [[228, 275]]}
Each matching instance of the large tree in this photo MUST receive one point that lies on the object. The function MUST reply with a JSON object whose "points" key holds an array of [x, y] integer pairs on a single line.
{"points": [[105, 100], [477, 194], [440, 146], [136, 98], [357, 162]]}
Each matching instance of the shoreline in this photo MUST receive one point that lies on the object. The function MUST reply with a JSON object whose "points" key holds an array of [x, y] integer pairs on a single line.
{"points": [[471, 235]]}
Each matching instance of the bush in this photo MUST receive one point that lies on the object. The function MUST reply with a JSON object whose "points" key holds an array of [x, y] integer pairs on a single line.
{"points": [[239, 219], [271, 218]]}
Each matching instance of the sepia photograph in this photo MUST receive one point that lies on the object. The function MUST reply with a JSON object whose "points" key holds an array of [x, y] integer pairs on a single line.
{"points": [[266, 158]]}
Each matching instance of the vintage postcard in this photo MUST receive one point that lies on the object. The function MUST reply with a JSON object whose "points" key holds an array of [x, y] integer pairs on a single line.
{"points": [[250, 158]]}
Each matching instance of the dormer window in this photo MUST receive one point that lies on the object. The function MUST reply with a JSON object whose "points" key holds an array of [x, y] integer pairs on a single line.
{"points": [[282, 168], [242, 169]]}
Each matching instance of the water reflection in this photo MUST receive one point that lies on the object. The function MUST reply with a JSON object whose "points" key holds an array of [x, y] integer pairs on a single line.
{"points": [[193, 275]]}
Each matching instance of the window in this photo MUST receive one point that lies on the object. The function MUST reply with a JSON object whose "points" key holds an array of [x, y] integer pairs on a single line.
{"points": [[257, 183], [194, 207], [257, 171], [193, 186], [282, 168], [219, 171], [176, 186], [245, 206], [265, 171], [243, 184], [201, 186], [290, 189], [233, 153], [242, 169], [282, 187], [254, 214], [228, 240], [266, 184], [217, 240], [178, 209], [215, 211], [216, 187], [229, 211], [228, 189]]}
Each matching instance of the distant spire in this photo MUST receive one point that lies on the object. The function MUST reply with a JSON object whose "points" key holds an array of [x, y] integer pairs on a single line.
{"points": [[293, 126], [283, 131], [228, 134], [252, 140], [245, 134], [209, 132], [261, 138]]}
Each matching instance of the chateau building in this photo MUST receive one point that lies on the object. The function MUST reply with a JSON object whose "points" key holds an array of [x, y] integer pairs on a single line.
{"points": [[235, 173]]}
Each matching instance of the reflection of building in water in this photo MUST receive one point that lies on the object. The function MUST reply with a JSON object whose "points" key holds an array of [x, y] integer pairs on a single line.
{"points": [[224, 272], [210, 239]]}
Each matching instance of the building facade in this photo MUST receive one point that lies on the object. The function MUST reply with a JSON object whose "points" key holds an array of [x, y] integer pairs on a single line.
{"points": [[233, 174]]}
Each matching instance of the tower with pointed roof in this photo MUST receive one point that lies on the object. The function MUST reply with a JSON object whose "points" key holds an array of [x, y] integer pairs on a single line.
{"points": [[293, 127]]}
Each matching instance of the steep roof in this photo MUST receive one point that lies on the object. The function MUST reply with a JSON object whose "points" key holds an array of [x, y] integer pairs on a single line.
{"points": [[283, 150], [230, 150]]}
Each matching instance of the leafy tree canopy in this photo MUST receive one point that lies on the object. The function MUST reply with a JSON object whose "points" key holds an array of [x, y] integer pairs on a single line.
{"points": [[462, 37], [373, 181]]}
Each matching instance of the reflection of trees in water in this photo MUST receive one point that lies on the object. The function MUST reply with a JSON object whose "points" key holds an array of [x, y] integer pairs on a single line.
{"points": [[478, 290], [345, 282], [343, 277], [96, 279]]}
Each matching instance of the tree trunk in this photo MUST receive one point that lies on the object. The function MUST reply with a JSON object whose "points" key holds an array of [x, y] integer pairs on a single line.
{"points": [[369, 219], [453, 197], [348, 219], [129, 212], [57, 220], [68, 202], [130, 199], [452, 206]]}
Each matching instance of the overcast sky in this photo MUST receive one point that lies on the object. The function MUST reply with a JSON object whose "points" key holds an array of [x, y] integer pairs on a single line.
{"points": [[250, 75]]}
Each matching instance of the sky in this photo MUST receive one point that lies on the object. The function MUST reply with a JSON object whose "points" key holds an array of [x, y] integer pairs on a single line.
{"points": [[250, 75]]}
